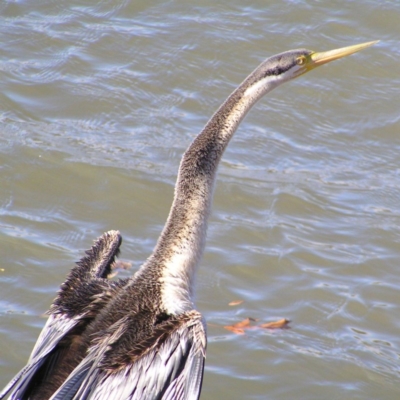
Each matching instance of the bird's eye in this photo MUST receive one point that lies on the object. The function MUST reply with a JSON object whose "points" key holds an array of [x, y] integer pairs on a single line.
{"points": [[301, 60]]}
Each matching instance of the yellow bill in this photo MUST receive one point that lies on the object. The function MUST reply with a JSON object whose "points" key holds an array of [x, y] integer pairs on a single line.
{"points": [[317, 59]]}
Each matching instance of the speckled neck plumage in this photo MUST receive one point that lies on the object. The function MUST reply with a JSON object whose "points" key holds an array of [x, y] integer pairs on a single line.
{"points": [[181, 244]]}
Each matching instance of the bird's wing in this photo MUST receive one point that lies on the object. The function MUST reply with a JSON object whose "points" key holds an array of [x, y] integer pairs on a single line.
{"points": [[169, 366], [57, 326], [84, 292]]}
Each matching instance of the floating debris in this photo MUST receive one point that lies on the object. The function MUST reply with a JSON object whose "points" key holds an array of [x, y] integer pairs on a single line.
{"points": [[235, 302], [240, 327]]}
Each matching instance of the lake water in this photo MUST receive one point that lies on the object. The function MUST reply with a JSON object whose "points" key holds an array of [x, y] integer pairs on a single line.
{"points": [[98, 102]]}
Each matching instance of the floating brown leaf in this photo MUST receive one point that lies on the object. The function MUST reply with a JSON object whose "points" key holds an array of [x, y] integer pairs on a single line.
{"points": [[241, 326], [282, 323], [119, 264], [235, 302], [231, 328]]}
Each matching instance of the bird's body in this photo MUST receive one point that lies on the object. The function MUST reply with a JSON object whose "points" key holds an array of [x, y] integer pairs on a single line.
{"points": [[141, 338]]}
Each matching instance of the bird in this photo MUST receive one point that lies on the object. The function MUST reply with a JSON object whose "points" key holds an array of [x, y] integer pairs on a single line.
{"points": [[141, 337]]}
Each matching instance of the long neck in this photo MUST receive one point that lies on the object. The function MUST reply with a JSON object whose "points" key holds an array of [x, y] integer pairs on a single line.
{"points": [[181, 244]]}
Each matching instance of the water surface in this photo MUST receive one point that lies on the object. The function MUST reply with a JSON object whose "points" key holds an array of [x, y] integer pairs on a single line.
{"points": [[100, 99]]}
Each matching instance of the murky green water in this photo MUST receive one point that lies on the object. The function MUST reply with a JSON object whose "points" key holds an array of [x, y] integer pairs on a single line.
{"points": [[98, 102]]}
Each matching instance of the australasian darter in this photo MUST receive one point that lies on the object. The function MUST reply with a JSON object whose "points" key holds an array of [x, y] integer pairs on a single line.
{"points": [[141, 338]]}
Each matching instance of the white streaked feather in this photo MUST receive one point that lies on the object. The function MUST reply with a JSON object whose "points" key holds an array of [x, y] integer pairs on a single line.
{"points": [[176, 368], [57, 326]]}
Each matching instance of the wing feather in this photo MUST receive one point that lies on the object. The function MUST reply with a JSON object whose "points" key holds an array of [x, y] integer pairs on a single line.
{"points": [[84, 292], [57, 326], [171, 370]]}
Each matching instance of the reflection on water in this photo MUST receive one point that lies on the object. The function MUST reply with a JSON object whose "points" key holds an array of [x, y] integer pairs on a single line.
{"points": [[98, 103]]}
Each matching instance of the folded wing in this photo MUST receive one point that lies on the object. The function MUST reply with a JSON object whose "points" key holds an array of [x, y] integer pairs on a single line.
{"points": [[167, 365], [85, 291]]}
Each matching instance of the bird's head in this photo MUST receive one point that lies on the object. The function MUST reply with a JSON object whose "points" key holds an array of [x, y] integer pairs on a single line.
{"points": [[291, 64], [307, 60]]}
